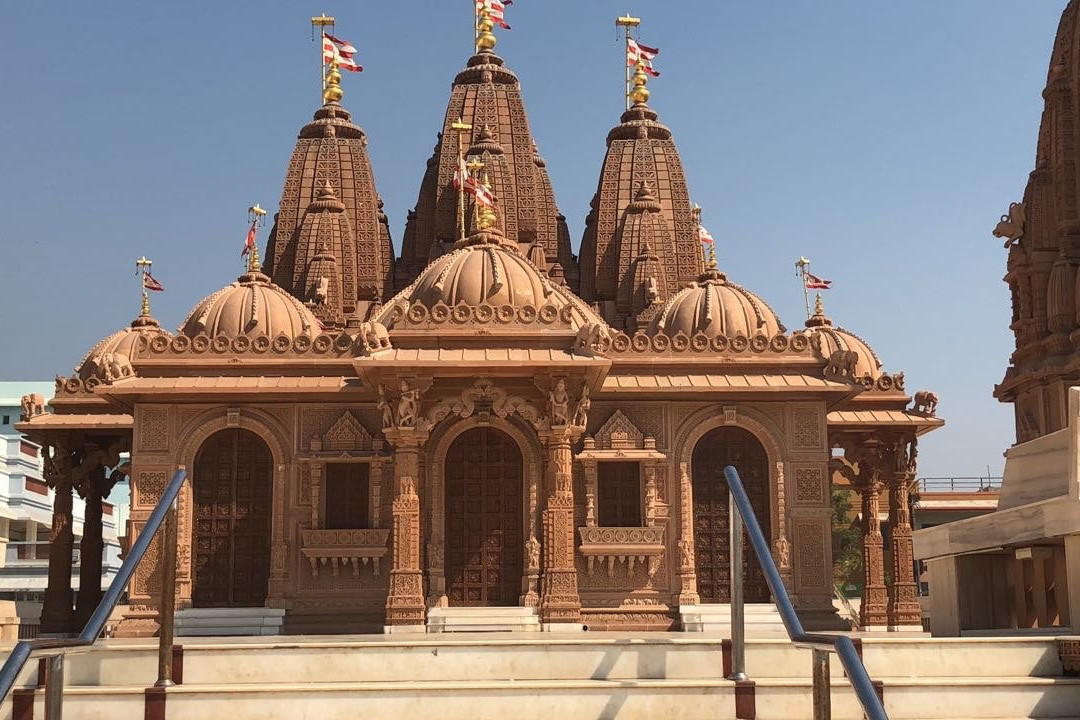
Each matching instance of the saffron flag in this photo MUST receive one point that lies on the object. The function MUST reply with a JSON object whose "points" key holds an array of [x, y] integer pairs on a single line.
{"points": [[496, 10], [636, 53], [340, 52], [249, 244], [150, 283], [813, 282]]}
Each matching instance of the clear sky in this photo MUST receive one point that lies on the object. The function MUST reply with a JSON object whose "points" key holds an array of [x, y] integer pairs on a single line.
{"points": [[881, 140]]}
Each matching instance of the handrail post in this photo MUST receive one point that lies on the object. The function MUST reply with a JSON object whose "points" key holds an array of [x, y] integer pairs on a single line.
{"points": [[54, 688], [167, 606], [738, 626], [822, 701]]}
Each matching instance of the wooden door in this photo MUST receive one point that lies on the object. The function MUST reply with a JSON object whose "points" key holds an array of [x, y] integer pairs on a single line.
{"points": [[484, 542], [716, 450], [231, 485]]}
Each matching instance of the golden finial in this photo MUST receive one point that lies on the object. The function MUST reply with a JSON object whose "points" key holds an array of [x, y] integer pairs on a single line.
{"points": [[819, 307], [333, 93], [486, 217], [485, 38], [142, 269], [639, 93], [256, 216]]}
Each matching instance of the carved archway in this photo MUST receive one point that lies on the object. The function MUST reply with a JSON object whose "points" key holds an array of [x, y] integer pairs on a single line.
{"points": [[692, 429], [278, 439], [532, 461]]}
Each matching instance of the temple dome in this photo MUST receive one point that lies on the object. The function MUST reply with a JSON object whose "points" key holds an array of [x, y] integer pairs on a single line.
{"points": [[714, 306], [486, 269], [827, 339], [120, 345], [251, 306]]}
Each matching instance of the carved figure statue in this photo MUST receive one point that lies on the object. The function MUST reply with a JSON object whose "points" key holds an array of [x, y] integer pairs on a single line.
{"points": [[532, 553], [322, 290], [387, 411], [842, 363], [559, 404], [783, 552], [32, 405], [925, 403], [581, 412], [373, 336], [898, 381], [593, 339], [652, 291], [113, 366], [1011, 226], [408, 406]]}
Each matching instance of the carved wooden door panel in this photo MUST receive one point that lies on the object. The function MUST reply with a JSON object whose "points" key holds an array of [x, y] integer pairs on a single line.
{"points": [[231, 485], [484, 542], [717, 449]]}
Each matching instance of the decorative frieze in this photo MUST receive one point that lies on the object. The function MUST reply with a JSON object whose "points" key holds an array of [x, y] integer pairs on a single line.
{"points": [[342, 548], [628, 546]]}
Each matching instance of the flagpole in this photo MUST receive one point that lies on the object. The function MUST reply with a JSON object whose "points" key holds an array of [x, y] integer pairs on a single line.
{"points": [[321, 21], [142, 267], [801, 266], [474, 166], [627, 22], [461, 127]]}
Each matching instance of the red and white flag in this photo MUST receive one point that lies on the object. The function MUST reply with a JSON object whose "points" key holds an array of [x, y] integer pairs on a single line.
{"points": [[496, 10], [340, 52], [480, 193], [643, 54], [704, 236], [461, 175], [813, 282], [150, 283], [249, 244]]}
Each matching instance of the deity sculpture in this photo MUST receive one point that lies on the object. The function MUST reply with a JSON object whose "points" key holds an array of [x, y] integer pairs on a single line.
{"points": [[581, 412], [559, 404], [408, 406], [387, 411]]}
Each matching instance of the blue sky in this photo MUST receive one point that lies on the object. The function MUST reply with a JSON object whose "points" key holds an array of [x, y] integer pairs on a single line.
{"points": [[882, 140]]}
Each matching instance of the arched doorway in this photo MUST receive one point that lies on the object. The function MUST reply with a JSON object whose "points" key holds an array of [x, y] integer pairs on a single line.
{"points": [[719, 448], [231, 487], [484, 542]]}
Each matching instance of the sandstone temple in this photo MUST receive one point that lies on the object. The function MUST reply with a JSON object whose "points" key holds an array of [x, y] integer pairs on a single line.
{"points": [[488, 425]]}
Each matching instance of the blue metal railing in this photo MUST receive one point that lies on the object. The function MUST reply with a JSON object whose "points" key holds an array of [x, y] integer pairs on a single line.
{"points": [[820, 644]]}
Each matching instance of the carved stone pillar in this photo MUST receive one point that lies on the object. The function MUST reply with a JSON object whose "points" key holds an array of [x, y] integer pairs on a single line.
{"points": [[781, 544], [559, 600], [57, 614], [405, 602], [903, 608], [688, 594], [873, 610], [94, 488]]}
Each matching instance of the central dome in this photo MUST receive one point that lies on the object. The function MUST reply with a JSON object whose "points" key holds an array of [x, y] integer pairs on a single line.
{"points": [[251, 306], [486, 271], [714, 306]]}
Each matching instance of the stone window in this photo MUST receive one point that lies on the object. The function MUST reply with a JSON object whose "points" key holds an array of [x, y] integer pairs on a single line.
{"points": [[347, 492], [619, 494]]}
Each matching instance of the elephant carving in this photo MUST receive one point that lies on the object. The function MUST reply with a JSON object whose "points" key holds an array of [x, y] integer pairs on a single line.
{"points": [[374, 337], [925, 403], [113, 366], [593, 339], [842, 364], [32, 405], [1011, 226]]}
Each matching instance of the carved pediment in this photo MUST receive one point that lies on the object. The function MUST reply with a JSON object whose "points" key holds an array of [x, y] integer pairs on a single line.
{"points": [[619, 433], [345, 434]]}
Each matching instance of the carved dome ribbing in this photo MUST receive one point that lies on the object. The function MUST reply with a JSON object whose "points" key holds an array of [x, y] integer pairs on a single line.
{"points": [[713, 306], [826, 339], [251, 306], [487, 270], [121, 344]]}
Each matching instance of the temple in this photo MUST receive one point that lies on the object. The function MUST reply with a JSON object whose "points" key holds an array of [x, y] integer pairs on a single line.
{"points": [[488, 429]]}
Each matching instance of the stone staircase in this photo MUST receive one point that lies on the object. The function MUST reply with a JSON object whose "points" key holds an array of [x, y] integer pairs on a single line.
{"points": [[570, 676]]}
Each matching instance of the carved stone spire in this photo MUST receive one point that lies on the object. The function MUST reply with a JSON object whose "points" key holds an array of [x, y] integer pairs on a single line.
{"points": [[487, 96], [331, 152], [640, 153]]}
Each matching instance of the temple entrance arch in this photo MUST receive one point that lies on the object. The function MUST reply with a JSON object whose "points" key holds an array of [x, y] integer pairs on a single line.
{"points": [[484, 515], [716, 449], [231, 483]]}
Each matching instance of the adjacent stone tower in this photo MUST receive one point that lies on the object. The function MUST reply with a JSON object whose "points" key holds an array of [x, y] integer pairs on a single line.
{"points": [[486, 96], [330, 245]]}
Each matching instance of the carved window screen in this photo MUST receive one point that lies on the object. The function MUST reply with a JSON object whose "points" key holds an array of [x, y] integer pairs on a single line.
{"points": [[347, 493], [619, 494]]}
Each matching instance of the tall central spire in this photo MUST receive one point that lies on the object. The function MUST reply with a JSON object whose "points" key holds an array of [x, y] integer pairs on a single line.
{"points": [[486, 96]]}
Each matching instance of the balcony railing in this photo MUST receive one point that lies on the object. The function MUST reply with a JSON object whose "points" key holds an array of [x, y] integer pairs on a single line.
{"points": [[28, 552], [959, 484]]}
